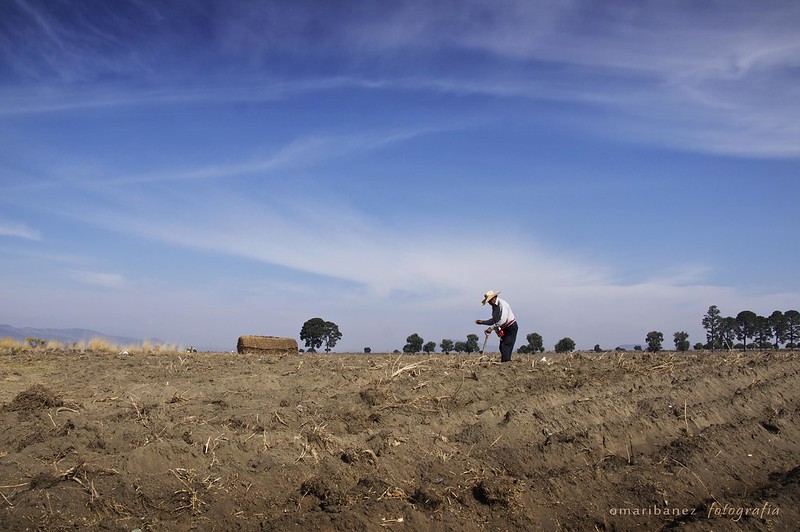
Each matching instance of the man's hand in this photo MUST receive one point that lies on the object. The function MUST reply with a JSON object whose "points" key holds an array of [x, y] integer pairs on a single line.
{"points": [[488, 331], [478, 322]]}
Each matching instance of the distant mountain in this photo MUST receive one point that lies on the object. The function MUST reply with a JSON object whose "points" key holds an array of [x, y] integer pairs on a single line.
{"points": [[66, 335], [630, 347]]}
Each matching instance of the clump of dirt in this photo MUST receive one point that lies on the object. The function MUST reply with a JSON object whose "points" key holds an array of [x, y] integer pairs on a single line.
{"points": [[330, 496], [44, 480], [373, 396], [427, 498], [496, 491], [35, 397]]}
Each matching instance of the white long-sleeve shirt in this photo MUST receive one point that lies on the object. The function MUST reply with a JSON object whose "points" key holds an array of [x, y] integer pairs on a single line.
{"points": [[502, 314]]}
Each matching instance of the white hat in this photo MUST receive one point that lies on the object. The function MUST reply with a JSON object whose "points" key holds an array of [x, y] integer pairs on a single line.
{"points": [[488, 296]]}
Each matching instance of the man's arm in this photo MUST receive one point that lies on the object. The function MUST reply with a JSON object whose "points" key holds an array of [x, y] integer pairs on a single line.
{"points": [[497, 314]]}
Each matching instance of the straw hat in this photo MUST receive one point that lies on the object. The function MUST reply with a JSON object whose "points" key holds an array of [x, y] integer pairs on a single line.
{"points": [[488, 296]]}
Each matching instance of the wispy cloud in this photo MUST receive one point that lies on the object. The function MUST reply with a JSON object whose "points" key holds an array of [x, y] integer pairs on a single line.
{"points": [[19, 230], [101, 279], [302, 152], [79, 43], [679, 74], [53, 97], [323, 237], [46, 256]]}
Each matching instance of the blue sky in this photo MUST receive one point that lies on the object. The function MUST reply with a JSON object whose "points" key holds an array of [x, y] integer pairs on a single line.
{"points": [[198, 170]]}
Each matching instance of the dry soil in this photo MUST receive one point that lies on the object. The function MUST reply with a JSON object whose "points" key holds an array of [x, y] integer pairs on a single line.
{"points": [[220, 441]]}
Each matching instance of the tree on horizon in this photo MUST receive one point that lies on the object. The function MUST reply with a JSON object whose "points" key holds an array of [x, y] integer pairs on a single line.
{"points": [[654, 339], [446, 346], [712, 323], [565, 345], [746, 323], [413, 344], [472, 343], [681, 341]]}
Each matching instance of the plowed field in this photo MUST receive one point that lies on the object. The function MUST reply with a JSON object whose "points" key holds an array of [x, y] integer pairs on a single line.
{"points": [[220, 441]]}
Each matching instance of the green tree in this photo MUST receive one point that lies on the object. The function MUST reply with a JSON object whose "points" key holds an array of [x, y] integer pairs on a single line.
{"points": [[746, 323], [728, 332], [472, 343], [446, 346], [763, 332], [460, 347], [413, 344], [535, 343], [792, 318], [430, 347], [681, 341], [654, 339], [777, 323], [331, 336], [597, 348], [367, 350], [699, 346], [565, 345], [313, 333], [712, 322]]}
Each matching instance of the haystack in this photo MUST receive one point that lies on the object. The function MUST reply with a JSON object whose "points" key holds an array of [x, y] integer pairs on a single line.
{"points": [[259, 345]]}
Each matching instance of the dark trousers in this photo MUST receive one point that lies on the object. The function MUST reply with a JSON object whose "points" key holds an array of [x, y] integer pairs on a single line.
{"points": [[507, 342]]}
